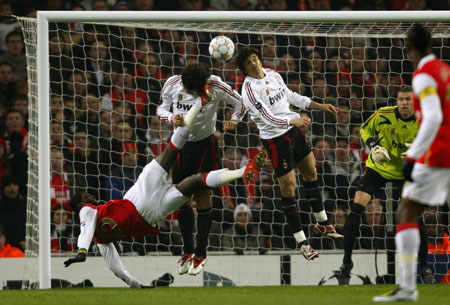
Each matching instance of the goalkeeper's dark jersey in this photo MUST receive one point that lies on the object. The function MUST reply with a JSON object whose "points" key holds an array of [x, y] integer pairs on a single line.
{"points": [[391, 131]]}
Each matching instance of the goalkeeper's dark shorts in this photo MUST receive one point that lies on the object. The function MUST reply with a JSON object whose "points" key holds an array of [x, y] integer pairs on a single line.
{"points": [[372, 182], [196, 157], [287, 150]]}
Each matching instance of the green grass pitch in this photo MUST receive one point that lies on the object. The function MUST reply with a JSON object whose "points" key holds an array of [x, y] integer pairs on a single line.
{"points": [[285, 295]]}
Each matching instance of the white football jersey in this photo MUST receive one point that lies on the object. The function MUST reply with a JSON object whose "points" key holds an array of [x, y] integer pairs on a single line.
{"points": [[268, 101], [173, 95]]}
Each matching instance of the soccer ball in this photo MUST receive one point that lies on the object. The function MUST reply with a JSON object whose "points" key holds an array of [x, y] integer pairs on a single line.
{"points": [[221, 48]]}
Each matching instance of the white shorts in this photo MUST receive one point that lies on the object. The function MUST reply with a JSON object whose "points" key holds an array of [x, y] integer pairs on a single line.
{"points": [[153, 196], [430, 185]]}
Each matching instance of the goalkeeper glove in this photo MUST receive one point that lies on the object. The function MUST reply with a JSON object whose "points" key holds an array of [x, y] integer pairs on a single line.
{"points": [[81, 257], [408, 166], [380, 154]]}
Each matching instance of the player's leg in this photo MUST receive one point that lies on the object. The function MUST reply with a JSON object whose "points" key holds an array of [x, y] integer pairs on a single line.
{"points": [[313, 194], [204, 221], [407, 241], [221, 177], [430, 186], [179, 138], [425, 272], [370, 183], [196, 184], [281, 154]]}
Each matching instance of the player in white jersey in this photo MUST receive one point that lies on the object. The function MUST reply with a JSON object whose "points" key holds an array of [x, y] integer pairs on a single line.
{"points": [[268, 99], [200, 154], [148, 202]]}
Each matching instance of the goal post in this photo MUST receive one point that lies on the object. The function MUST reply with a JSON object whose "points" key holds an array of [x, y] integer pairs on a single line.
{"points": [[362, 24]]}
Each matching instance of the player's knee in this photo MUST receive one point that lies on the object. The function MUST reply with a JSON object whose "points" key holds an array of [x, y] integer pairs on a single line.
{"points": [[309, 174]]}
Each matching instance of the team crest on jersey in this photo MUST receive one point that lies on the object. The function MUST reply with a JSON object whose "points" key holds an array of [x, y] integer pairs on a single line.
{"points": [[445, 73], [180, 97], [392, 131], [284, 164], [267, 91]]}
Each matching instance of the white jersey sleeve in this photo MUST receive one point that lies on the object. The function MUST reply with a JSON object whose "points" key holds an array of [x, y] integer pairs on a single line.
{"points": [[294, 98], [88, 221], [225, 93], [114, 263], [431, 116], [166, 99]]}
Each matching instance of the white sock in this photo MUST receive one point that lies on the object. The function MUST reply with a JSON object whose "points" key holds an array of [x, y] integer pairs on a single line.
{"points": [[223, 176], [190, 117], [407, 242], [179, 137], [321, 216], [300, 236]]}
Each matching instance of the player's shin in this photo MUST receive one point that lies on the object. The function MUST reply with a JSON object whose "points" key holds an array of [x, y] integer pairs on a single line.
{"points": [[312, 194], [407, 241], [351, 230], [293, 218], [204, 220], [186, 222]]}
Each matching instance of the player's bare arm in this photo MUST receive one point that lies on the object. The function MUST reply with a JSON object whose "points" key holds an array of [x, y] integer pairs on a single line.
{"points": [[300, 122], [324, 107]]}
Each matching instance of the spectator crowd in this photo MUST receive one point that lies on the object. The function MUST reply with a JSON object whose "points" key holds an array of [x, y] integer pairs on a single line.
{"points": [[105, 83]]}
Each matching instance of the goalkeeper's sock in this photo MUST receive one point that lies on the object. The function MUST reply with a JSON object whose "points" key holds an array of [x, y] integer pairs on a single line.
{"points": [[204, 220], [407, 242], [312, 194], [423, 249], [179, 138], [186, 221], [351, 230], [223, 176], [291, 212]]}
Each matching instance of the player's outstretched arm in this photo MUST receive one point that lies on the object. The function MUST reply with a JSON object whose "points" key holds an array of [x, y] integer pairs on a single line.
{"points": [[81, 257], [324, 107]]}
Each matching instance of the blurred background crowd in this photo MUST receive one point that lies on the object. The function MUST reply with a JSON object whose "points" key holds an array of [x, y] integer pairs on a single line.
{"points": [[105, 85]]}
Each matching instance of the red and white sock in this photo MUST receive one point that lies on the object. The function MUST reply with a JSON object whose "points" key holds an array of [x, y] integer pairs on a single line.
{"points": [[407, 241], [179, 137], [222, 176]]}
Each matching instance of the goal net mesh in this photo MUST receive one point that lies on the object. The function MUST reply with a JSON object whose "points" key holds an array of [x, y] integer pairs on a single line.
{"points": [[105, 82]]}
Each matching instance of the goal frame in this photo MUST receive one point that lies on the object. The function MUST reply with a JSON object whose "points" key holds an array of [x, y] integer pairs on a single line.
{"points": [[43, 86]]}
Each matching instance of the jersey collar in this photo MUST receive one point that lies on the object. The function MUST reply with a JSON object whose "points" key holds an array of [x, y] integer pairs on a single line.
{"points": [[425, 59]]}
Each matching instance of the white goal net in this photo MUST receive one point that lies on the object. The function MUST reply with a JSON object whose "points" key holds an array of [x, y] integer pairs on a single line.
{"points": [[105, 80]]}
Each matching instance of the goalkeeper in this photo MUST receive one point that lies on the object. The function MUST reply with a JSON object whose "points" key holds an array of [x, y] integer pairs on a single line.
{"points": [[151, 198], [388, 133]]}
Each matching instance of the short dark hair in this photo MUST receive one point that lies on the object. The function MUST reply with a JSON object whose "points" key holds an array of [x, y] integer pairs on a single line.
{"points": [[405, 89], [13, 34], [342, 139], [194, 76], [420, 38], [243, 54]]}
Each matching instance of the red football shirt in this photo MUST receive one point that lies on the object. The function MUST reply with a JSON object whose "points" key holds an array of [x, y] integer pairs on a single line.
{"points": [[119, 219], [436, 154]]}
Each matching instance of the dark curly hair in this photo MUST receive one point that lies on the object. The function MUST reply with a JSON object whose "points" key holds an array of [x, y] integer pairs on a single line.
{"points": [[420, 38], [194, 77], [243, 54]]}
